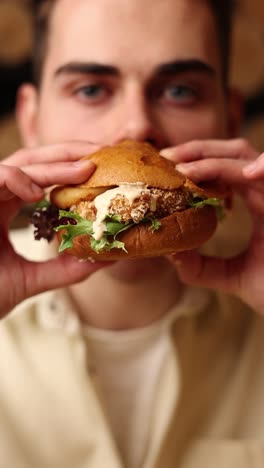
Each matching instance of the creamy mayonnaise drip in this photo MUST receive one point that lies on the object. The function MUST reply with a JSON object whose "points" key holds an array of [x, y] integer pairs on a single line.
{"points": [[103, 201]]}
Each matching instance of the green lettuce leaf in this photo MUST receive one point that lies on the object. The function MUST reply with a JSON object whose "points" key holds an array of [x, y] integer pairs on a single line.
{"points": [[155, 223], [199, 202], [105, 245], [216, 202], [114, 226], [82, 226], [44, 203]]}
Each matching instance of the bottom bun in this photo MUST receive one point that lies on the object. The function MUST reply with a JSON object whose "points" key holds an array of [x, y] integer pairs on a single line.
{"points": [[180, 231]]}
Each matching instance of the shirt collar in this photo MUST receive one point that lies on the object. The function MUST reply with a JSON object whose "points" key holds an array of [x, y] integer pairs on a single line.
{"points": [[56, 312]]}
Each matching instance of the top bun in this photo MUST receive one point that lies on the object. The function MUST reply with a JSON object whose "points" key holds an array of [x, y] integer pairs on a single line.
{"points": [[128, 162]]}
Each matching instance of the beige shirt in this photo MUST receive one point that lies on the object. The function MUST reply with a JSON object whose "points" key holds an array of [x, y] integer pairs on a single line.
{"points": [[209, 402], [129, 368], [208, 408], [129, 365]]}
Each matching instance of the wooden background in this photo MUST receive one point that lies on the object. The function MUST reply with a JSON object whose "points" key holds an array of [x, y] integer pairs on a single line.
{"points": [[247, 71]]}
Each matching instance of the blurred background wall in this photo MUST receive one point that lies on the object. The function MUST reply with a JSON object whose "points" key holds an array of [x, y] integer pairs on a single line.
{"points": [[247, 71]]}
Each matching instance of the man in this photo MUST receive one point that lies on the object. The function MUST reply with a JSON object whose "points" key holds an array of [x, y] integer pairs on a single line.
{"points": [[125, 365]]}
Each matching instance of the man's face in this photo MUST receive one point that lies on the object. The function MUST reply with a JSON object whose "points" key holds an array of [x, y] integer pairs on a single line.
{"points": [[146, 70]]}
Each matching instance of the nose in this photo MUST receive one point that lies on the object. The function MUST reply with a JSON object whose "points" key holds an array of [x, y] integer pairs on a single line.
{"points": [[137, 121]]}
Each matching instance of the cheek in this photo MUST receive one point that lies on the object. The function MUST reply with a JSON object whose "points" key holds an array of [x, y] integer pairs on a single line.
{"points": [[187, 126], [57, 124]]}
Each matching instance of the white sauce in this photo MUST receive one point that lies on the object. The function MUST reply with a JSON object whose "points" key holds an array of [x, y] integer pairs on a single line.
{"points": [[103, 201]]}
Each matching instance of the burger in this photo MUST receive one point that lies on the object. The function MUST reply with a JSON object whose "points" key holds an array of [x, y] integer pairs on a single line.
{"points": [[136, 204]]}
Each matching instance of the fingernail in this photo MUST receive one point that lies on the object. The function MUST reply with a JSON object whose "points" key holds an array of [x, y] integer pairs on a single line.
{"points": [[36, 189], [166, 153], [182, 167], [83, 163], [250, 168]]}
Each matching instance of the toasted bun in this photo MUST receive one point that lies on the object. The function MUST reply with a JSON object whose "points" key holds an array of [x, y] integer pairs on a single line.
{"points": [[184, 230], [128, 162], [132, 162]]}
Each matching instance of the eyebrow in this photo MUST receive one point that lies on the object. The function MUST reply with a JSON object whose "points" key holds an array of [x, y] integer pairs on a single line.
{"points": [[166, 69], [84, 68], [185, 66]]}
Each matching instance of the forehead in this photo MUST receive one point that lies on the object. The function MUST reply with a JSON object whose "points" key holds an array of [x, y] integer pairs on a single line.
{"points": [[132, 33]]}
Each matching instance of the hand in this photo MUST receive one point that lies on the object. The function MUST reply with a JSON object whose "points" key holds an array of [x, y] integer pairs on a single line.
{"points": [[23, 176], [240, 165]]}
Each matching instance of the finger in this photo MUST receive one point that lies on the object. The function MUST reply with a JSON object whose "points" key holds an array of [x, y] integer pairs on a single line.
{"points": [[71, 151], [49, 174], [226, 170], [209, 272], [255, 170], [26, 184], [57, 273], [15, 183], [195, 150]]}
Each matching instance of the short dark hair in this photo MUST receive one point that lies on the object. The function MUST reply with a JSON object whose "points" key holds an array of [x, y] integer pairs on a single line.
{"points": [[223, 11]]}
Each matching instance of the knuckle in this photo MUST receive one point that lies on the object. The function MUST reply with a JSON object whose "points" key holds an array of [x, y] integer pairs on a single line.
{"points": [[201, 147], [17, 158], [10, 173], [13, 171]]}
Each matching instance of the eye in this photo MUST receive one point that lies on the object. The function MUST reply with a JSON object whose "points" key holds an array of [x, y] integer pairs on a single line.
{"points": [[178, 94], [92, 92]]}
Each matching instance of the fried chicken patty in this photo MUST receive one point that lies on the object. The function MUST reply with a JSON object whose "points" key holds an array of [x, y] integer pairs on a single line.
{"points": [[152, 201]]}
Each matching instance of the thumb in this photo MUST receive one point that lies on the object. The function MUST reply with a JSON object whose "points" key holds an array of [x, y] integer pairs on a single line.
{"points": [[208, 272], [57, 273]]}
